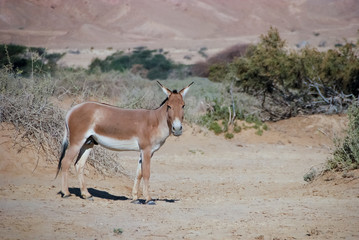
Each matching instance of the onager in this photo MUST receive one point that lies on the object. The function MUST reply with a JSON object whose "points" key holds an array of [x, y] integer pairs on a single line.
{"points": [[92, 123]]}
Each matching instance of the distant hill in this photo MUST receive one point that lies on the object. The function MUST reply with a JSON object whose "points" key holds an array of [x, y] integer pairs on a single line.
{"points": [[177, 24]]}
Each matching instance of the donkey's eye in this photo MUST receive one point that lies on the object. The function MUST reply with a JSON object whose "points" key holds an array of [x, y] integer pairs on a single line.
{"points": [[168, 107], [183, 106]]}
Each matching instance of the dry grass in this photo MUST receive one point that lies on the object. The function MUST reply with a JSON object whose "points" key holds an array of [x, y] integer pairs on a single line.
{"points": [[38, 123]]}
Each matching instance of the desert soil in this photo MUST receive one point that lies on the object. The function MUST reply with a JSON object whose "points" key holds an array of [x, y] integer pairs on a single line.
{"points": [[250, 187]]}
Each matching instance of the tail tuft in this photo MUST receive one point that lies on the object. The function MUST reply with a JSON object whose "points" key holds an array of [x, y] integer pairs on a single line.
{"points": [[65, 144]]}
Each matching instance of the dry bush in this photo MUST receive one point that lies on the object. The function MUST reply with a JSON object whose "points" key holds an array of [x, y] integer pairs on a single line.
{"points": [[121, 89], [38, 123], [24, 102], [107, 162]]}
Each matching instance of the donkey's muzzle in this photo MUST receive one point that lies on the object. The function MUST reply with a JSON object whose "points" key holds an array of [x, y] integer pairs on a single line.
{"points": [[177, 127], [177, 131]]}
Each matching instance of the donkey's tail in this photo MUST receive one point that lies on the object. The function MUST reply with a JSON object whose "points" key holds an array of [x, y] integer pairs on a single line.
{"points": [[65, 144]]}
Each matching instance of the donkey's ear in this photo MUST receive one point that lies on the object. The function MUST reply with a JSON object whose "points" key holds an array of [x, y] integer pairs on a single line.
{"points": [[184, 91], [164, 89]]}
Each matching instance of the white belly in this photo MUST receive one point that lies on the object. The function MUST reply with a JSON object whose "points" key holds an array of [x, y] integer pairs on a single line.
{"points": [[117, 145]]}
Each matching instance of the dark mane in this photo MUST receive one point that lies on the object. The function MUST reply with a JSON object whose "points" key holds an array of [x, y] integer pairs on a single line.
{"points": [[164, 101]]}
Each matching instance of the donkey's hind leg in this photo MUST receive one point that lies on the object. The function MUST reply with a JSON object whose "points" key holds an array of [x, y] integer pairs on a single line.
{"points": [[80, 166], [65, 165]]}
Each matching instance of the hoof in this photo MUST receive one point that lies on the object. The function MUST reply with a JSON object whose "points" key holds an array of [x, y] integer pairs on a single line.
{"points": [[151, 202], [65, 195], [137, 201], [90, 198]]}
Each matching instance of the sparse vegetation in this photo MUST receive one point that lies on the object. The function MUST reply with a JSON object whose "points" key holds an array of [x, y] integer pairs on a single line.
{"points": [[290, 82], [117, 231], [30, 104], [215, 127], [229, 135], [250, 84], [346, 154], [219, 119], [202, 52]]}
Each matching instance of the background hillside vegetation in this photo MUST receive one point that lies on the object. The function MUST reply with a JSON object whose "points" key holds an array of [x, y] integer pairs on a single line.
{"points": [[236, 89], [151, 64], [288, 82]]}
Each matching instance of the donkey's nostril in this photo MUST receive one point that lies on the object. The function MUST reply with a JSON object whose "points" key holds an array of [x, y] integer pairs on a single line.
{"points": [[176, 129]]}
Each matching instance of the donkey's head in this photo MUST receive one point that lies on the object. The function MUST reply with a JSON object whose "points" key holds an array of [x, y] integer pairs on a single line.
{"points": [[175, 106]]}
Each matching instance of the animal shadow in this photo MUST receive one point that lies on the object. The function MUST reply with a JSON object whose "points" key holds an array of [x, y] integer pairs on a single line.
{"points": [[167, 200], [99, 194], [106, 195], [143, 201]]}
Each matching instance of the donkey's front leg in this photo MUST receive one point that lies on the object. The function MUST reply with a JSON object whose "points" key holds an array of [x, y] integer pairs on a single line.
{"points": [[136, 185], [146, 172]]}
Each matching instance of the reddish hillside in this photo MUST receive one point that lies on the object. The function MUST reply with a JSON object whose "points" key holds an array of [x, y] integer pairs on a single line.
{"points": [[173, 24]]}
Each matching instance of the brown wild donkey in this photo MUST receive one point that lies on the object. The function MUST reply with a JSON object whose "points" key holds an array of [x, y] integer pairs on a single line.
{"points": [[91, 123]]}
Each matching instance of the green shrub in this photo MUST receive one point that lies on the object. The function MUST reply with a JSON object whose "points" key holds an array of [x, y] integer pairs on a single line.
{"points": [[26, 61], [346, 153], [229, 135], [202, 52], [265, 66], [117, 231], [237, 129], [216, 119], [288, 82], [217, 72], [340, 68], [215, 127], [155, 63], [119, 64], [253, 119], [259, 132], [9, 54], [215, 113]]}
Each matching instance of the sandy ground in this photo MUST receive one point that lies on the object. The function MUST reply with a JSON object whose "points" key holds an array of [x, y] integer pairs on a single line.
{"points": [[250, 187], [206, 187]]}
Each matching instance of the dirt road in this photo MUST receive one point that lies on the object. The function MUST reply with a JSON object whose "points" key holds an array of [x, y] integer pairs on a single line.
{"points": [[206, 187]]}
